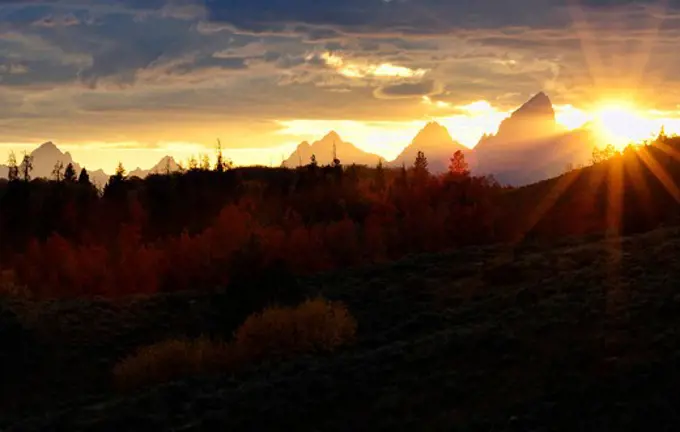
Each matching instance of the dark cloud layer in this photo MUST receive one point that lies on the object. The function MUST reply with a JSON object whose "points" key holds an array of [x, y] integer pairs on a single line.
{"points": [[409, 90], [411, 16]]}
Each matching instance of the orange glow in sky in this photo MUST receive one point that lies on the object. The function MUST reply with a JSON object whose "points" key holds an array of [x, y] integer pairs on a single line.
{"points": [[619, 122]]}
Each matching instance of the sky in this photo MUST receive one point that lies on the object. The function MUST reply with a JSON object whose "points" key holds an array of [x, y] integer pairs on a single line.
{"points": [[134, 80]]}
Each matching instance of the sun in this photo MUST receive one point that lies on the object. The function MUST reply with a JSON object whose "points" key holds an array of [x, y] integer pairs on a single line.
{"points": [[620, 123]]}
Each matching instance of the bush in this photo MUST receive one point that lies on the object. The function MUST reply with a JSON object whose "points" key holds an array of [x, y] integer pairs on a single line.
{"points": [[170, 360], [314, 326], [9, 286], [276, 333]]}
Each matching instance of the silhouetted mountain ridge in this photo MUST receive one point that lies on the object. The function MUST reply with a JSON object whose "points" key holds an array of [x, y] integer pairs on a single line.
{"points": [[167, 164], [47, 155], [323, 150], [436, 142], [530, 146]]}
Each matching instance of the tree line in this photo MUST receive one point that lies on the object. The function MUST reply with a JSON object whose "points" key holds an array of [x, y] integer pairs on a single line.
{"points": [[212, 227]]}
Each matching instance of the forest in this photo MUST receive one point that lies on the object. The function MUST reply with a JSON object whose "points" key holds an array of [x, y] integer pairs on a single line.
{"points": [[220, 226]]}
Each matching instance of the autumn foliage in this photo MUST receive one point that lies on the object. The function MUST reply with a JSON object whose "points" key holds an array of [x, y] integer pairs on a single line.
{"points": [[315, 326], [279, 332], [199, 229], [203, 229], [172, 359]]}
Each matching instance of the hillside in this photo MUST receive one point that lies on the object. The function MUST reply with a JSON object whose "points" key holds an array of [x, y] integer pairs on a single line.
{"points": [[580, 335]]}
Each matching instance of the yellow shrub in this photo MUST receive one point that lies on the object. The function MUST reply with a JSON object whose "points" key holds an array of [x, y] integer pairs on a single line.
{"points": [[172, 359], [314, 326]]}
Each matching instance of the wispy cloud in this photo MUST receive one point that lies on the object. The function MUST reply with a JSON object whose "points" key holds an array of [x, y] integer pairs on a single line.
{"points": [[362, 69]]}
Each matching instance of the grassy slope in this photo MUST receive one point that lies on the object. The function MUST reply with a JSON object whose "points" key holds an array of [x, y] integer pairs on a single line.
{"points": [[580, 336]]}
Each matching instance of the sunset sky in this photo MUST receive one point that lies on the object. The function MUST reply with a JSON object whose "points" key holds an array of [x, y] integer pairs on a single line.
{"points": [[134, 80]]}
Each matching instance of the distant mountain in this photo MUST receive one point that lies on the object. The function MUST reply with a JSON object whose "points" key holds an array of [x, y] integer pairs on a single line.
{"points": [[166, 165], [530, 146], [346, 152], [47, 155], [98, 178], [435, 141]]}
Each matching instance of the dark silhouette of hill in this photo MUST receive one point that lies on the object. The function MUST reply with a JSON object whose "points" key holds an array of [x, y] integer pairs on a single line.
{"points": [[346, 152], [574, 336], [530, 146], [435, 141], [633, 192]]}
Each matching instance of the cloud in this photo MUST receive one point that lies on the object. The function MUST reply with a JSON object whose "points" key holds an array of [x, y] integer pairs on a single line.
{"points": [[134, 67], [13, 69], [361, 70], [409, 90], [66, 20], [370, 17]]}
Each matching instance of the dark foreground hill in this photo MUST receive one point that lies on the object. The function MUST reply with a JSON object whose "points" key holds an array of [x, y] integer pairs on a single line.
{"points": [[577, 336]]}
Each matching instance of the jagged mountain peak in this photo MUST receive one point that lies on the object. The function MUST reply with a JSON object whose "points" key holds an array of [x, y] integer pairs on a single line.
{"points": [[47, 145], [539, 104], [332, 135], [328, 147], [433, 134], [47, 148], [303, 145], [436, 142]]}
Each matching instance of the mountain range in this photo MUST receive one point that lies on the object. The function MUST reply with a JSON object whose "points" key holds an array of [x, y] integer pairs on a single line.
{"points": [[529, 146], [325, 151], [436, 143], [167, 164], [46, 156]]}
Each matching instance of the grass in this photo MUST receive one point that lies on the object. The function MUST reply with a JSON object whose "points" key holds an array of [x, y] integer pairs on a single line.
{"points": [[581, 335]]}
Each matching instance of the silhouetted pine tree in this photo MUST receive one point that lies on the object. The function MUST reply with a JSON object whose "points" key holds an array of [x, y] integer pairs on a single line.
{"points": [[219, 165], [26, 167], [420, 169], [13, 169], [70, 173], [380, 176], [84, 177]]}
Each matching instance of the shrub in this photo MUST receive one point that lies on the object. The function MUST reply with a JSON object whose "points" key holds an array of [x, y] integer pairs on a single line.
{"points": [[172, 359], [10, 287], [278, 332]]}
